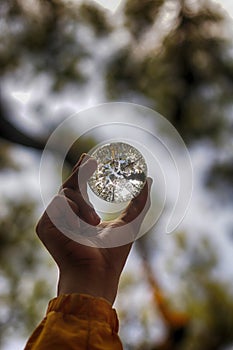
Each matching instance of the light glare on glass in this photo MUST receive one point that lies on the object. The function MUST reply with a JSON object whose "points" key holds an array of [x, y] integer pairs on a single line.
{"points": [[121, 172]]}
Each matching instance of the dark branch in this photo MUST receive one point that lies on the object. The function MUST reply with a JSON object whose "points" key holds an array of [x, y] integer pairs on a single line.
{"points": [[9, 132]]}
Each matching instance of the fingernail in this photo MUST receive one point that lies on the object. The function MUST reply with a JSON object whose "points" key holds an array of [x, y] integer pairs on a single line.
{"points": [[150, 182], [83, 156], [80, 161]]}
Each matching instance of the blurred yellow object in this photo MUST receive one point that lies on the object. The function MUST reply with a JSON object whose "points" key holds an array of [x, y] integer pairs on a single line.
{"points": [[172, 318], [77, 322]]}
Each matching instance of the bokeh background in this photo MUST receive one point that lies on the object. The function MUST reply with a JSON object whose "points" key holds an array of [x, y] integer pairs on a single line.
{"points": [[174, 56]]}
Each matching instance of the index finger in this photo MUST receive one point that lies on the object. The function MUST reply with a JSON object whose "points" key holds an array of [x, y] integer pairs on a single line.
{"points": [[81, 173]]}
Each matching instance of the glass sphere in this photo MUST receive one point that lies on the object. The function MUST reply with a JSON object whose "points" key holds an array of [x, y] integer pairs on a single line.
{"points": [[121, 172]]}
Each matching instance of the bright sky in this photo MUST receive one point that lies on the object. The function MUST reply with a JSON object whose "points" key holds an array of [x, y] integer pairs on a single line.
{"points": [[227, 5]]}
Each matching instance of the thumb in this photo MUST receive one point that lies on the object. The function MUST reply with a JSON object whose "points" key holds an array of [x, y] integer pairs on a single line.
{"points": [[138, 206]]}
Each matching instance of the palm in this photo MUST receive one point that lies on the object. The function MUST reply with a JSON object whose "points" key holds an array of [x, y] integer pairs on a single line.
{"points": [[93, 264], [66, 251]]}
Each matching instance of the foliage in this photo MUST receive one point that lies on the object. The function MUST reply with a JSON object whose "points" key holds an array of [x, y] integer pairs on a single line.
{"points": [[5, 156], [197, 314], [22, 295], [205, 298], [188, 77], [219, 178], [46, 36], [21, 299], [140, 16]]}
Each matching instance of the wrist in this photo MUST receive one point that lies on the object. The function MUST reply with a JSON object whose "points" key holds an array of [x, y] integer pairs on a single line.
{"points": [[89, 284]]}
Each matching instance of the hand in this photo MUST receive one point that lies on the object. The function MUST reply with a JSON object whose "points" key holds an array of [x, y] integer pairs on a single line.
{"points": [[82, 268]]}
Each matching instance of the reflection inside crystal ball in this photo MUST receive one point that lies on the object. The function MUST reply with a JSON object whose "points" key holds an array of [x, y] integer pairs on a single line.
{"points": [[121, 172]]}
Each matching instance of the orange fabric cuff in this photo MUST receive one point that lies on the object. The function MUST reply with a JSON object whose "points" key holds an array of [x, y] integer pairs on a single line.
{"points": [[85, 307], [77, 322]]}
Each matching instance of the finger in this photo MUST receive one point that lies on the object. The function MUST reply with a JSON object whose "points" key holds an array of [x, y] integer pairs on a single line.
{"points": [[58, 214], [71, 216], [81, 174], [86, 210], [84, 156], [121, 232], [138, 206], [86, 170], [69, 179]]}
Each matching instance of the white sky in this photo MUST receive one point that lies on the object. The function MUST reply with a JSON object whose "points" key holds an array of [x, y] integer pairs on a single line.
{"points": [[227, 5]]}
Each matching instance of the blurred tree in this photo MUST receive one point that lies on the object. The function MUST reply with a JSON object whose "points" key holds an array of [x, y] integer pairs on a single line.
{"points": [[198, 315], [208, 301], [45, 36], [177, 322], [188, 76], [21, 300], [5, 159], [140, 16], [180, 65], [219, 178]]}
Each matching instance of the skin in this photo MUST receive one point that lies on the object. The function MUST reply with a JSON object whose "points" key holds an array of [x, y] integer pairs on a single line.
{"points": [[85, 269]]}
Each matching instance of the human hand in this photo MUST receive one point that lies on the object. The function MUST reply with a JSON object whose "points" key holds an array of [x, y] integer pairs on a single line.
{"points": [[93, 270]]}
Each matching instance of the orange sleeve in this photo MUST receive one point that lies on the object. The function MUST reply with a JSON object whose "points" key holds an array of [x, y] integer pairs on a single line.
{"points": [[77, 322]]}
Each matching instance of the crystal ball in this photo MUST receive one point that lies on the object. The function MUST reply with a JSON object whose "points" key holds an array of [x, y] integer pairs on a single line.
{"points": [[121, 172]]}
